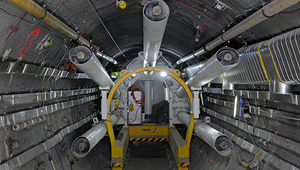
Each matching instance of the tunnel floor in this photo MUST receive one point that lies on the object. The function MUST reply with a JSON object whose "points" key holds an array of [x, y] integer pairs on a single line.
{"points": [[148, 156]]}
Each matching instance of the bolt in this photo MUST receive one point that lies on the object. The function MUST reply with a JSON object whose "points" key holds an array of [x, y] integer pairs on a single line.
{"points": [[223, 145], [227, 57], [81, 147], [80, 55], [156, 10]]}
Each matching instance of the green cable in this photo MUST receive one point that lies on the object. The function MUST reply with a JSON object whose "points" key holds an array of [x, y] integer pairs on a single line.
{"points": [[45, 128], [261, 103], [11, 77], [43, 82], [266, 123], [59, 51], [53, 159]]}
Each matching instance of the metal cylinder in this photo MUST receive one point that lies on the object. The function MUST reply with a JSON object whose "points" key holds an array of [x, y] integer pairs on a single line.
{"points": [[106, 57], [225, 59], [82, 145], [148, 98], [167, 94], [155, 16], [86, 61], [266, 12], [218, 141]]}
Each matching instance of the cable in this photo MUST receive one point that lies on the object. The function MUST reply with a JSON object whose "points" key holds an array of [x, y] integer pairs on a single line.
{"points": [[59, 158], [59, 51], [248, 130], [291, 12], [121, 115], [135, 115], [258, 3], [136, 100], [76, 27], [107, 30]]}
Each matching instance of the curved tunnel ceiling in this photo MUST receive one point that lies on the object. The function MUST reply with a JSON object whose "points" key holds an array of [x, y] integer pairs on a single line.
{"points": [[126, 26]]}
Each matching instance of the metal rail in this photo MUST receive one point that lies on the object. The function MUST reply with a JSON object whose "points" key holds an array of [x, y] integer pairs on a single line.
{"points": [[26, 98], [265, 156], [29, 69], [30, 154], [271, 137], [14, 118], [264, 95]]}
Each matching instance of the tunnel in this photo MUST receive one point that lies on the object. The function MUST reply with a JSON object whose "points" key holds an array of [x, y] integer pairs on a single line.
{"points": [[150, 85]]}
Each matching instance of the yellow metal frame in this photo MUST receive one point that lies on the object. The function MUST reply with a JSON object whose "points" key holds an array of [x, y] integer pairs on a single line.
{"points": [[180, 148], [118, 148], [118, 152], [127, 75]]}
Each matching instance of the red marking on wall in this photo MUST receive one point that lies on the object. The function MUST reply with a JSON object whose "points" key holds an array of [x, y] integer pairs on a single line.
{"points": [[37, 32], [199, 28], [102, 41], [15, 29]]}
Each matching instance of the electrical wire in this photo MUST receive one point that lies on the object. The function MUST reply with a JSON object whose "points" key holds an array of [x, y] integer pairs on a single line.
{"points": [[32, 24], [134, 98], [59, 158], [59, 51], [247, 10], [45, 130], [291, 12], [76, 27], [107, 30], [247, 128]]}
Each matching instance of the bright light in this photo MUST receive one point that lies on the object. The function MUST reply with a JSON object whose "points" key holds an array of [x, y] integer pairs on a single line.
{"points": [[163, 74], [133, 75]]}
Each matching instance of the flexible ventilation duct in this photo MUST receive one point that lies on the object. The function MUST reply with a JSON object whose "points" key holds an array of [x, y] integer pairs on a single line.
{"points": [[277, 58]]}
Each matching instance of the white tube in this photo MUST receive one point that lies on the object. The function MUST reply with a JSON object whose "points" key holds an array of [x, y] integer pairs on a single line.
{"points": [[86, 142], [217, 140], [148, 97], [225, 59], [155, 16], [86, 61]]}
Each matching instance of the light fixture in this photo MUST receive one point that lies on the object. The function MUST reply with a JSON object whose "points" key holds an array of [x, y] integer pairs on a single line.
{"points": [[163, 74]]}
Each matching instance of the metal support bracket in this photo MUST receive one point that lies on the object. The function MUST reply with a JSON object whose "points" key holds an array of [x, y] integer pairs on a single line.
{"points": [[104, 101], [180, 147], [119, 145]]}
